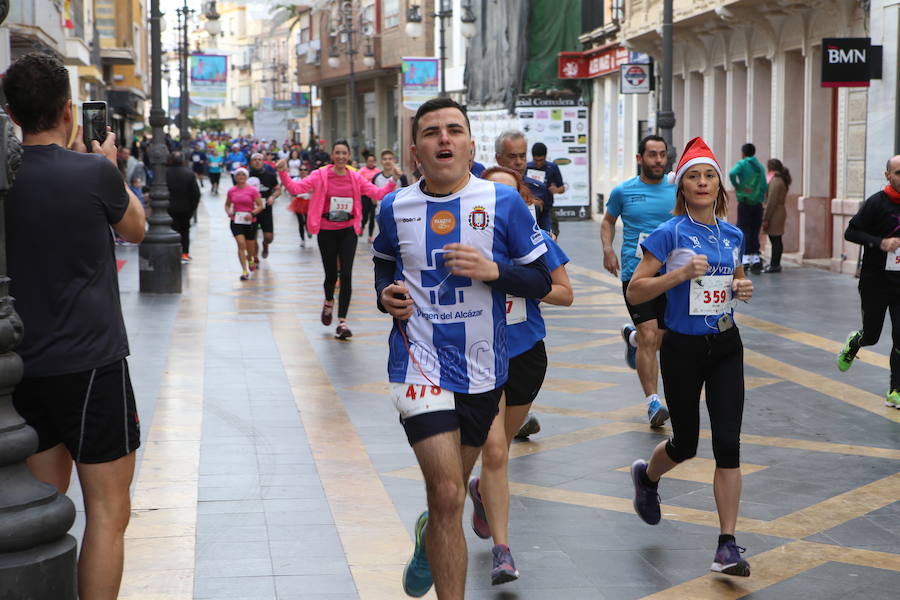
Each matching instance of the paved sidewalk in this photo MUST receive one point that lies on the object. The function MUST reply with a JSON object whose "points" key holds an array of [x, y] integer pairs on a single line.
{"points": [[273, 465]]}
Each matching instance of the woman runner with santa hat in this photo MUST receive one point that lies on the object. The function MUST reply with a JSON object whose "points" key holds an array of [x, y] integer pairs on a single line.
{"points": [[699, 256]]}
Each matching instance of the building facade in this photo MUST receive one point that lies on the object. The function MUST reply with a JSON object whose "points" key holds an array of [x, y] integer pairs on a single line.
{"points": [[750, 71]]}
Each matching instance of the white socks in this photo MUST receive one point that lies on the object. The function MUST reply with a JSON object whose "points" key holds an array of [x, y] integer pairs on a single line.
{"points": [[632, 339]]}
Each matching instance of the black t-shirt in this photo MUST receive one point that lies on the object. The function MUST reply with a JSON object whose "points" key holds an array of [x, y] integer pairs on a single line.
{"points": [[62, 260], [878, 218], [268, 180]]}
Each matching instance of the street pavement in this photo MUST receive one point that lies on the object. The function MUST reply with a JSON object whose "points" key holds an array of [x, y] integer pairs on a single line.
{"points": [[273, 465]]}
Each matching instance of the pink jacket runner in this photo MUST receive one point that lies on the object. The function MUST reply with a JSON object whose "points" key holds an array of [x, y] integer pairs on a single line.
{"points": [[317, 183]]}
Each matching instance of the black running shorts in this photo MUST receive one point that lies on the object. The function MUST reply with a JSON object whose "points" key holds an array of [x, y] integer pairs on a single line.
{"points": [[473, 416], [647, 311], [526, 376], [92, 412], [264, 220], [248, 231]]}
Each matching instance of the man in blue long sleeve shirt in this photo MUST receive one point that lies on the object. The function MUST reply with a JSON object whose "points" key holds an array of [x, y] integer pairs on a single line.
{"points": [[448, 251], [511, 151]]}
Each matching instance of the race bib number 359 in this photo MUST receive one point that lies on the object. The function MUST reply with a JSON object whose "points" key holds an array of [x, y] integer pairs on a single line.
{"points": [[710, 295], [411, 399]]}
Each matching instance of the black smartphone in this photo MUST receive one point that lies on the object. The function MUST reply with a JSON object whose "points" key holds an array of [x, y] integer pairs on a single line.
{"points": [[94, 122]]}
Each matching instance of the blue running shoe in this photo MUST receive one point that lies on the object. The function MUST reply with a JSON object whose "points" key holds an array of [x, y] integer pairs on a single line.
{"points": [[646, 497], [728, 560], [630, 351], [504, 569], [657, 412], [417, 578], [479, 517]]}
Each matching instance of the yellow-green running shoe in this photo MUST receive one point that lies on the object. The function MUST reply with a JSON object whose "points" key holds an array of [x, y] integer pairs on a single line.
{"points": [[893, 399], [847, 354]]}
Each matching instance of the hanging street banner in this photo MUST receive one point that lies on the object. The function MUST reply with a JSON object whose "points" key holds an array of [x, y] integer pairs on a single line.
{"points": [[421, 81], [270, 125], [209, 79]]}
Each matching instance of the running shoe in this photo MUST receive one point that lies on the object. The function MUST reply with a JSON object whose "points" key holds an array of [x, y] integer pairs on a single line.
{"points": [[630, 351], [846, 355], [417, 574], [728, 560], [657, 412], [772, 269], [646, 497], [893, 399], [252, 264], [756, 268], [245, 276], [185, 258], [327, 310], [265, 252], [479, 518], [504, 569], [303, 243], [530, 427], [342, 332]]}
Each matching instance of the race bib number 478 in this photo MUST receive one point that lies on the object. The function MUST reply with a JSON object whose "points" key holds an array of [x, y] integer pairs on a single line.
{"points": [[411, 399]]}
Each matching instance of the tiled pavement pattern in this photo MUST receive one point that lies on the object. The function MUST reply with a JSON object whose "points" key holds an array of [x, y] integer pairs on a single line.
{"points": [[273, 466]]}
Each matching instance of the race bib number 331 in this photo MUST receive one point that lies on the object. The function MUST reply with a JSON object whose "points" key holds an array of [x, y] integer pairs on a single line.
{"points": [[411, 399], [893, 261]]}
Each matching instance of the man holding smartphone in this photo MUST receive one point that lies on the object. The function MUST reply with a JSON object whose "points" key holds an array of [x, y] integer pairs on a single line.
{"points": [[76, 391]]}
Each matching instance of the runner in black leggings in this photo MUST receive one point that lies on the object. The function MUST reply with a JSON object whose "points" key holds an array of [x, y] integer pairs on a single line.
{"points": [[335, 216], [700, 258], [876, 227]]}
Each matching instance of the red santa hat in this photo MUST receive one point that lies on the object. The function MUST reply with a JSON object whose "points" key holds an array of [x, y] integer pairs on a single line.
{"points": [[696, 152]]}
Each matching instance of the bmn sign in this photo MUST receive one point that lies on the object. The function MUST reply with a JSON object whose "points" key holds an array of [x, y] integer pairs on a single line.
{"points": [[849, 62]]}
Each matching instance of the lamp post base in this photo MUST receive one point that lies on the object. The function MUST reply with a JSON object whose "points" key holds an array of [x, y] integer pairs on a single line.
{"points": [[160, 266], [46, 572]]}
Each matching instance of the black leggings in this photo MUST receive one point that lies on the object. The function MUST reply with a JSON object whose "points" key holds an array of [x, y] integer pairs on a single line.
{"points": [[181, 222], [877, 298], [688, 362], [777, 249], [333, 245], [301, 225], [368, 214]]}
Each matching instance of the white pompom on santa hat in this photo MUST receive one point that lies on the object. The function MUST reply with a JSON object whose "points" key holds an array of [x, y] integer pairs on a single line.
{"points": [[696, 152]]}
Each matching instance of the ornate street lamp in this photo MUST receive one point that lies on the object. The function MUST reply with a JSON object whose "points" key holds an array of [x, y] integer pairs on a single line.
{"points": [[160, 252], [37, 556], [346, 29], [414, 29]]}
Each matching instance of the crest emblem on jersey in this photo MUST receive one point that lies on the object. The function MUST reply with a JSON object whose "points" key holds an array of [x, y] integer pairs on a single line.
{"points": [[443, 222], [695, 241], [726, 243], [479, 218]]}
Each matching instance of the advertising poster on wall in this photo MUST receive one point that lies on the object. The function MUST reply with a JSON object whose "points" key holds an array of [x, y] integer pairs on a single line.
{"points": [[420, 81], [209, 79], [562, 125]]}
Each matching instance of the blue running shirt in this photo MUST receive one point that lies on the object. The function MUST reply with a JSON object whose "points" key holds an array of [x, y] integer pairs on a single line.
{"points": [[673, 243], [642, 207], [457, 332], [523, 315]]}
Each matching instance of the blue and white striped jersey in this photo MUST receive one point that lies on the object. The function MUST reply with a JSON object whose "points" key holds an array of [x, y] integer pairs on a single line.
{"points": [[457, 332]]}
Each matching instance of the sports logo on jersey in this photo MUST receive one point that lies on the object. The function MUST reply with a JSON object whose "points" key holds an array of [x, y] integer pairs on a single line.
{"points": [[443, 222], [695, 241], [479, 218], [726, 243]]}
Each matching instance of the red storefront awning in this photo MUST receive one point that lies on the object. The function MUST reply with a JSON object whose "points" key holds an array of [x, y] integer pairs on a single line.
{"points": [[591, 63]]}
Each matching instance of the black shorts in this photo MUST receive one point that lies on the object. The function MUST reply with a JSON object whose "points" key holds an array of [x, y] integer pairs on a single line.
{"points": [[214, 177], [264, 219], [248, 231], [526, 375], [652, 309], [92, 412], [473, 416]]}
